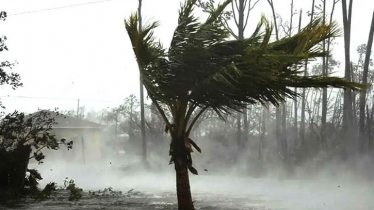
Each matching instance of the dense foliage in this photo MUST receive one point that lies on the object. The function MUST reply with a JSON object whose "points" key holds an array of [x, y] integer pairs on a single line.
{"points": [[22, 138]]}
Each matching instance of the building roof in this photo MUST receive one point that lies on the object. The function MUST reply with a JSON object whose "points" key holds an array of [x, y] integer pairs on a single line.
{"points": [[70, 122]]}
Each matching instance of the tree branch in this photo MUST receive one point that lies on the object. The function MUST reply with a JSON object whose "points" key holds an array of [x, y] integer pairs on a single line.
{"points": [[162, 113], [195, 119], [275, 18], [188, 115], [236, 4], [233, 12], [254, 4], [227, 27], [245, 3], [249, 9], [37, 152]]}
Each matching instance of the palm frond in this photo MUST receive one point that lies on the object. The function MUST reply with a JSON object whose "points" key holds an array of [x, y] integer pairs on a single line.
{"points": [[206, 69], [149, 54], [257, 70]]}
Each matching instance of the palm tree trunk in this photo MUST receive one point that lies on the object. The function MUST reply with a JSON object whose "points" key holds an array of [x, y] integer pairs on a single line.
{"points": [[183, 188], [179, 154]]}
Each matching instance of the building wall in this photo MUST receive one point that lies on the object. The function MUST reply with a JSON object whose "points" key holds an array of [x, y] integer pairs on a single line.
{"points": [[86, 147]]}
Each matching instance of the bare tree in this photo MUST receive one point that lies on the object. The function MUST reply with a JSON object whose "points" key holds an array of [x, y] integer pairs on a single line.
{"points": [[303, 98], [142, 118], [364, 80], [295, 100], [242, 7], [278, 114], [324, 73], [325, 67], [347, 106]]}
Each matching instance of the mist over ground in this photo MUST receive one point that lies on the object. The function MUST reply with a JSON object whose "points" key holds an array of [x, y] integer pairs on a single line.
{"points": [[334, 184], [310, 153]]}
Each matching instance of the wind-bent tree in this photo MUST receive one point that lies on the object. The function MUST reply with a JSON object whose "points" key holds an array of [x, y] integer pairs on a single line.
{"points": [[204, 70]]}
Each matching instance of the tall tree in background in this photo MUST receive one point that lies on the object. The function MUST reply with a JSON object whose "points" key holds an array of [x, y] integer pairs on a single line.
{"points": [[325, 67], [363, 92], [211, 72], [295, 136], [347, 106], [303, 99], [142, 118], [284, 136], [324, 73], [240, 10], [245, 6], [278, 113]]}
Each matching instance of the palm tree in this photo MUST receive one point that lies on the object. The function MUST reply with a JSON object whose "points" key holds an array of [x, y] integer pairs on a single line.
{"points": [[204, 70]]}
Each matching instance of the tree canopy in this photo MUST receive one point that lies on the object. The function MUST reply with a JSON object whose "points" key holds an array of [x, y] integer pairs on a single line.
{"points": [[203, 69], [202, 66]]}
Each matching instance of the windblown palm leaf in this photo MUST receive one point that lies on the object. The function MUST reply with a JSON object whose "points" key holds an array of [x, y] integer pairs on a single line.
{"points": [[203, 68]]}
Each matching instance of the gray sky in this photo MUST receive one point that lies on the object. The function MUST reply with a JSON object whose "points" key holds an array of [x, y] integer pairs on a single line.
{"points": [[83, 52]]}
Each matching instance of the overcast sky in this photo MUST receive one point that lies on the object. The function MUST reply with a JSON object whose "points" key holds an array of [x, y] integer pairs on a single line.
{"points": [[68, 50]]}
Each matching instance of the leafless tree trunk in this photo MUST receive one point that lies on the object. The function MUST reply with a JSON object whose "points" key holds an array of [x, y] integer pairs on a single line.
{"points": [[302, 120], [241, 22], [295, 100], [278, 114], [324, 73], [347, 106], [239, 131], [240, 36], [284, 104], [263, 132], [326, 67], [142, 118], [370, 125], [363, 92]]}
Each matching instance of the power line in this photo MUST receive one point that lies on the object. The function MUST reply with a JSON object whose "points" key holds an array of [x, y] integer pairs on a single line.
{"points": [[62, 7]]}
